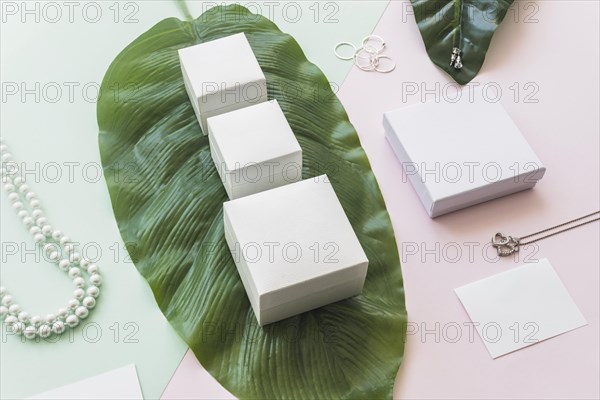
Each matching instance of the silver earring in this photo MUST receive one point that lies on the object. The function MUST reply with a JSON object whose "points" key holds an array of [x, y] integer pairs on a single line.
{"points": [[368, 55], [375, 38], [455, 60], [338, 55]]}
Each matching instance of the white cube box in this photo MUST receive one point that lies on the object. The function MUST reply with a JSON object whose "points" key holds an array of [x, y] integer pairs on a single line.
{"points": [[221, 76], [460, 154], [254, 149], [294, 249]]}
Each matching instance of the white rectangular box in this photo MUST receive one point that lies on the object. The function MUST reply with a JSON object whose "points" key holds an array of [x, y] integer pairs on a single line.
{"points": [[294, 249], [460, 154], [254, 149], [222, 75]]}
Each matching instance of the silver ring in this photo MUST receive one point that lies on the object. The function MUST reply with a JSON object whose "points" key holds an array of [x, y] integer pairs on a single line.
{"points": [[385, 70], [337, 46], [373, 59], [377, 38]]}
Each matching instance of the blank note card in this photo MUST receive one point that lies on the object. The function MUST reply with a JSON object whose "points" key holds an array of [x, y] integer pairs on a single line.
{"points": [[520, 307]]}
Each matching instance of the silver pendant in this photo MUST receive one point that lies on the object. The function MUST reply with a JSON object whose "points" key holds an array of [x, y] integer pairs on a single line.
{"points": [[505, 245]]}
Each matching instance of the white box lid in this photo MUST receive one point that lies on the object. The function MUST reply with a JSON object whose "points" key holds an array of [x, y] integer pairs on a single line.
{"points": [[463, 153], [255, 137], [227, 64], [297, 215]]}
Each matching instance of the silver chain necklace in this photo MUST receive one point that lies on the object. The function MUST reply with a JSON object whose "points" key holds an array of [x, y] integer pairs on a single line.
{"points": [[507, 245]]}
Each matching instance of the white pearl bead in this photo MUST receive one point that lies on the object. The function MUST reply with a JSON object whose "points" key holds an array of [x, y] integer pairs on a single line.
{"points": [[39, 238], [79, 282], [35, 320], [54, 256], [50, 318], [47, 230], [6, 157], [41, 221], [89, 302], [64, 265], [30, 332], [11, 319], [34, 229], [84, 263], [64, 240], [81, 312], [14, 309], [63, 313], [18, 205], [93, 291], [28, 221], [3, 148], [35, 203], [69, 248], [24, 188], [56, 235], [23, 214], [74, 273], [18, 181], [75, 257], [92, 269], [9, 187], [18, 327], [44, 331], [72, 321], [37, 214], [13, 197], [7, 300], [23, 316], [96, 279], [79, 293], [2, 291], [58, 327], [4, 311], [30, 195], [73, 304]]}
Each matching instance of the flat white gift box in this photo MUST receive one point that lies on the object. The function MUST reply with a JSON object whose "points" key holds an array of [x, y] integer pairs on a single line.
{"points": [[254, 149], [222, 75], [460, 154], [294, 249]]}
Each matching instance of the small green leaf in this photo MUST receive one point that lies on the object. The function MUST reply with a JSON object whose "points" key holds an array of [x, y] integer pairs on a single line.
{"points": [[465, 24], [167, 198]]}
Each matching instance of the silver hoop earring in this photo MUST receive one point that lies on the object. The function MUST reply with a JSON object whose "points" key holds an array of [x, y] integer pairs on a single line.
{"points": [[373, 59], [376, 38], [385, 70], [338, 55]]}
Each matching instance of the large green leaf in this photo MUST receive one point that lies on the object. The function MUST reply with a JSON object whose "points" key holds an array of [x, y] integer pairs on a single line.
{"points": [[465, 24], [167, 199]]}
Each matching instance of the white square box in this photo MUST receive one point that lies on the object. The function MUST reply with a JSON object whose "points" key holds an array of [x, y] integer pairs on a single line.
{"points": [[222, 75], [294, 249], [460, 154], [254, 149]]}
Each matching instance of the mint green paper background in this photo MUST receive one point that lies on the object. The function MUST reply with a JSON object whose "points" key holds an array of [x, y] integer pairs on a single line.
{"points": [[75, 54]]}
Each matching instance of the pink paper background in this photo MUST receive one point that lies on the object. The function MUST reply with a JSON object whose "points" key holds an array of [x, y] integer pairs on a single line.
{"points": [[552, 46]]}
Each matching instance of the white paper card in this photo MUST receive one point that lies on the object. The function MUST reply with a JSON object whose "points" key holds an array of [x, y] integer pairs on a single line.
{"points": [[520, 307], [118, 384]]}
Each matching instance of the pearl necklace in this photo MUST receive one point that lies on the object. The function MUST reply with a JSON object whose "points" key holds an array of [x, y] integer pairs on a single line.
{"points": [[58, 248]]}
